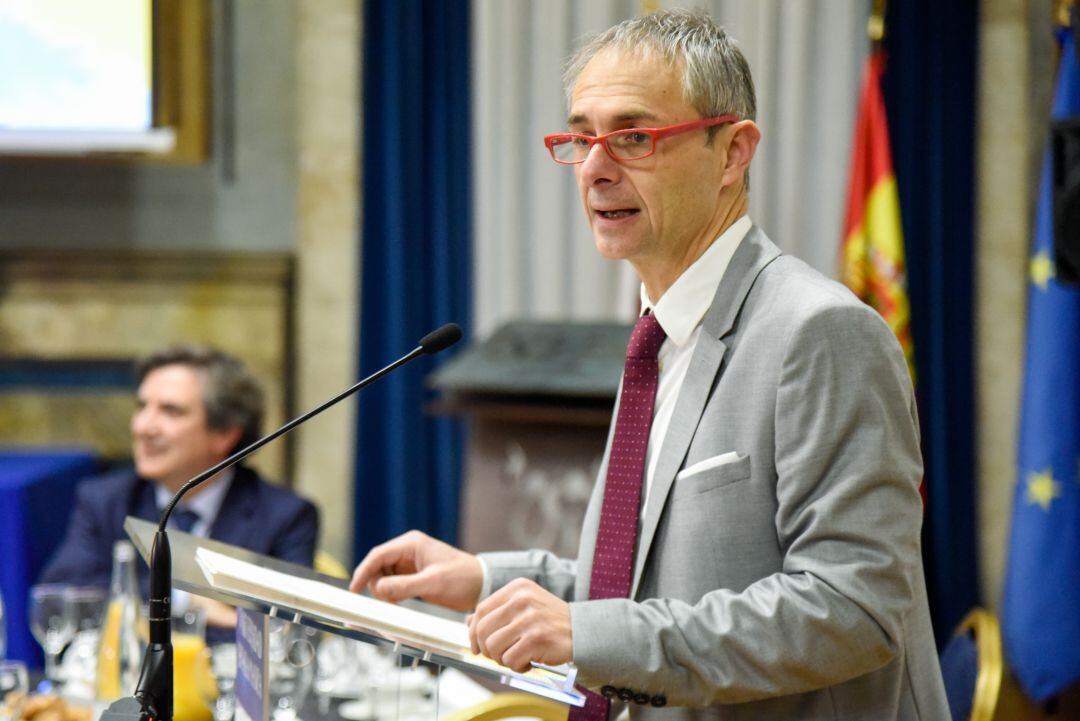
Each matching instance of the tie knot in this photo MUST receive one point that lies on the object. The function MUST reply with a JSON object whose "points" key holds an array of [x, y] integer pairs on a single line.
{"points": [[185, 519], [646, 339]]}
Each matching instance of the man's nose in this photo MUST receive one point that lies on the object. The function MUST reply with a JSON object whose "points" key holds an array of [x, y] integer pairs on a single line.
{"points": [[599, 166], [142, 421]]}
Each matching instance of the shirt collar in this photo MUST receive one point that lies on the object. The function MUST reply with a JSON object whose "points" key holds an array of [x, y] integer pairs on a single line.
{"points": [[206, 503], [680, 310]]}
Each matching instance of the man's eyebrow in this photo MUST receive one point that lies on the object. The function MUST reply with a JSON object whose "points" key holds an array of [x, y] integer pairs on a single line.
{"points": [[630, 115]]}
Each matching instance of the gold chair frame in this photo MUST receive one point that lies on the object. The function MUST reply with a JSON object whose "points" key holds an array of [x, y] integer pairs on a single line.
{"points": [[511, 705], [983, 625]]}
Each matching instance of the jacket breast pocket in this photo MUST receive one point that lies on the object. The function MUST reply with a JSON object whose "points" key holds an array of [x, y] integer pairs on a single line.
{"points": [[710, 474]]}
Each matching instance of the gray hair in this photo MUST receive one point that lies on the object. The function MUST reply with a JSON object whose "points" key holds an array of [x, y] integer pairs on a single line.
{"points": [[232, 397], [716, 76]]}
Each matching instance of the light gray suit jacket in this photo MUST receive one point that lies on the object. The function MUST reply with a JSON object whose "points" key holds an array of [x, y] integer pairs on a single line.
{"points": [[786, 583]]}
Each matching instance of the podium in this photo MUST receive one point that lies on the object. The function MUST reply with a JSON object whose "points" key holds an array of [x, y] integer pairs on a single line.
{"points": [[262, 586]]}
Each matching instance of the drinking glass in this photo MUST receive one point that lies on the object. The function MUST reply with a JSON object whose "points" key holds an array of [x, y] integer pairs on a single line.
{"points": [[402, 692], [191, 665], [87, 607], [51, 622], [14, 685], [339, 671], [220, 694], [79, 668], [292, 651]]}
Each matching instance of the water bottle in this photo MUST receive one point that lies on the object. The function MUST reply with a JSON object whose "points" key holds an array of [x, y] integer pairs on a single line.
{"points": [[121, 647]]}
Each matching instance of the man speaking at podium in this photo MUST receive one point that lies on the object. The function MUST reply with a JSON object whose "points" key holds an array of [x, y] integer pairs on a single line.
{"points": [[751, 549], [195, 407]]}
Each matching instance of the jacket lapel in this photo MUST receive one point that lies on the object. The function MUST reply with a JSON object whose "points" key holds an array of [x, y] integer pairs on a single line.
{"points": [[753, 254], [237, 518], [143, 505]]}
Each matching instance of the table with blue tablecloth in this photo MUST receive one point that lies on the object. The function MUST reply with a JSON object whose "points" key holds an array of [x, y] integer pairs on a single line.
{"points": [[37, 492]]}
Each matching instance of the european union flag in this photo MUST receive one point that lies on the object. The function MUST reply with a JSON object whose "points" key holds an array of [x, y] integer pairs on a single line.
{"points": [[1041, 615]]}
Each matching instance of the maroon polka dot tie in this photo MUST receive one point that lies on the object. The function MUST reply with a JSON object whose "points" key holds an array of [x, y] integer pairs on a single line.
{"points": [[613, 557]]}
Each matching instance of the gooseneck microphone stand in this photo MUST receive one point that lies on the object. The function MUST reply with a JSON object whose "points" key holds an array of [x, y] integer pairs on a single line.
{"points": [[153, 699]]}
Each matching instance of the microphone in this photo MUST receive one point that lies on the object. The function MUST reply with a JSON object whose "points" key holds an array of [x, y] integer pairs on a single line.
{"points": [[441, 338], [153, 698]]}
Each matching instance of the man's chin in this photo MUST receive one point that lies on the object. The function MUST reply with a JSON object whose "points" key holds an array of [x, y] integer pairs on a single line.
{"points": [[156, 473], [145, 470], [615, 248]]}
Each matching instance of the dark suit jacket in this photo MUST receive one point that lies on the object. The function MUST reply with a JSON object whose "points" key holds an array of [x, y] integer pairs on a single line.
{"points": [[254, 514]]}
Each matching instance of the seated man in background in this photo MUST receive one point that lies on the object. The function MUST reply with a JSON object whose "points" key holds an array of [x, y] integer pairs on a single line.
{"points": [[195, 407]]}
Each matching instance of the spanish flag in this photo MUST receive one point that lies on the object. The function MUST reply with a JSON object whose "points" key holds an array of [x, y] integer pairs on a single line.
{"points": [[872, 255]]}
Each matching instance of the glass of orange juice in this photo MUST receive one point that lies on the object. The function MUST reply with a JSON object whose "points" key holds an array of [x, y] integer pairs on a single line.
{"points": [[191, 666]]}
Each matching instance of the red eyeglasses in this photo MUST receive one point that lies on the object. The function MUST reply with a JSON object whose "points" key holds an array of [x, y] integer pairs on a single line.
{"points": [[628, 144]]}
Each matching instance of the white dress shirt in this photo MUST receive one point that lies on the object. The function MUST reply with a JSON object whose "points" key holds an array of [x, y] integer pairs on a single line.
{"points": [[680, 312], [207, 502]]}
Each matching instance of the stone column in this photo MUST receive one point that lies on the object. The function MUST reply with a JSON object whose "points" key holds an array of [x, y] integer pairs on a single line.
{"points": [[327, 250], [1014, 86]]}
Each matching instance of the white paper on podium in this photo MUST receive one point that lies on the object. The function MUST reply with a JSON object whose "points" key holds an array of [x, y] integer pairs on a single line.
{"points": [[352, 609]]}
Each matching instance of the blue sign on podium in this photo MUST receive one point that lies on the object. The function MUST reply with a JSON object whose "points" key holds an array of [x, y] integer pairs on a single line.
{"points": [[252, 666]]}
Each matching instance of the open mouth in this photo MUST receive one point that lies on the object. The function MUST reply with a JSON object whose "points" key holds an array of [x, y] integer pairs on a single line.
{"points": [[617, 214]]}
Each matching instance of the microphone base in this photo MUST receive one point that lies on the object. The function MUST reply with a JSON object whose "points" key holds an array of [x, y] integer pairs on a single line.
{"points": [[154, 693], [127, 708]]}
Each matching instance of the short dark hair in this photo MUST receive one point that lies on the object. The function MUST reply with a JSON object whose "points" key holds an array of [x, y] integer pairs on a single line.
{"points": [[232, 396]]}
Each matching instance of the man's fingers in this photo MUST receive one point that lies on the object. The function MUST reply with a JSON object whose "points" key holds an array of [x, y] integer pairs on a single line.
{"points": [[360, 578], [416, 565], [496, 629], [518, 657], [497, 640], [413, 585], [498, 599], [365, 576], [384, 558], [522, 623], [389, 588], [470, 623]]}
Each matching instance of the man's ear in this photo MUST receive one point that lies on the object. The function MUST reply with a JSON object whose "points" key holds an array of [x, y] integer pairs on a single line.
{"points": [[740, 150], [224, 440]]}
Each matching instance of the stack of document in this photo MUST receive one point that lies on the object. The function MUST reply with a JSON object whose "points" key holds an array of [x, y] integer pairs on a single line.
{"points": [[352, 610]]}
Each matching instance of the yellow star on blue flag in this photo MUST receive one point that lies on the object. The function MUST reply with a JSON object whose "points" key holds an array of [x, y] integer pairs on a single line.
{"points": [[1042, 489], [1041, 269]]}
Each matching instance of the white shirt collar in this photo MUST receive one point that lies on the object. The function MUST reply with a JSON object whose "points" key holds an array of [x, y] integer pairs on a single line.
{"points": [[680, 310], [207, 503]]}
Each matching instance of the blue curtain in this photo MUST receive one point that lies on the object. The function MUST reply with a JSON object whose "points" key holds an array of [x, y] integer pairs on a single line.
{"points": [[415, 259], [929, 87]]}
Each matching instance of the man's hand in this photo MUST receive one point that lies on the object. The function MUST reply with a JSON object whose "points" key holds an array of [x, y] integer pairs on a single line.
{"points": [[522, 622], [415, 565], [217, 613]]}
